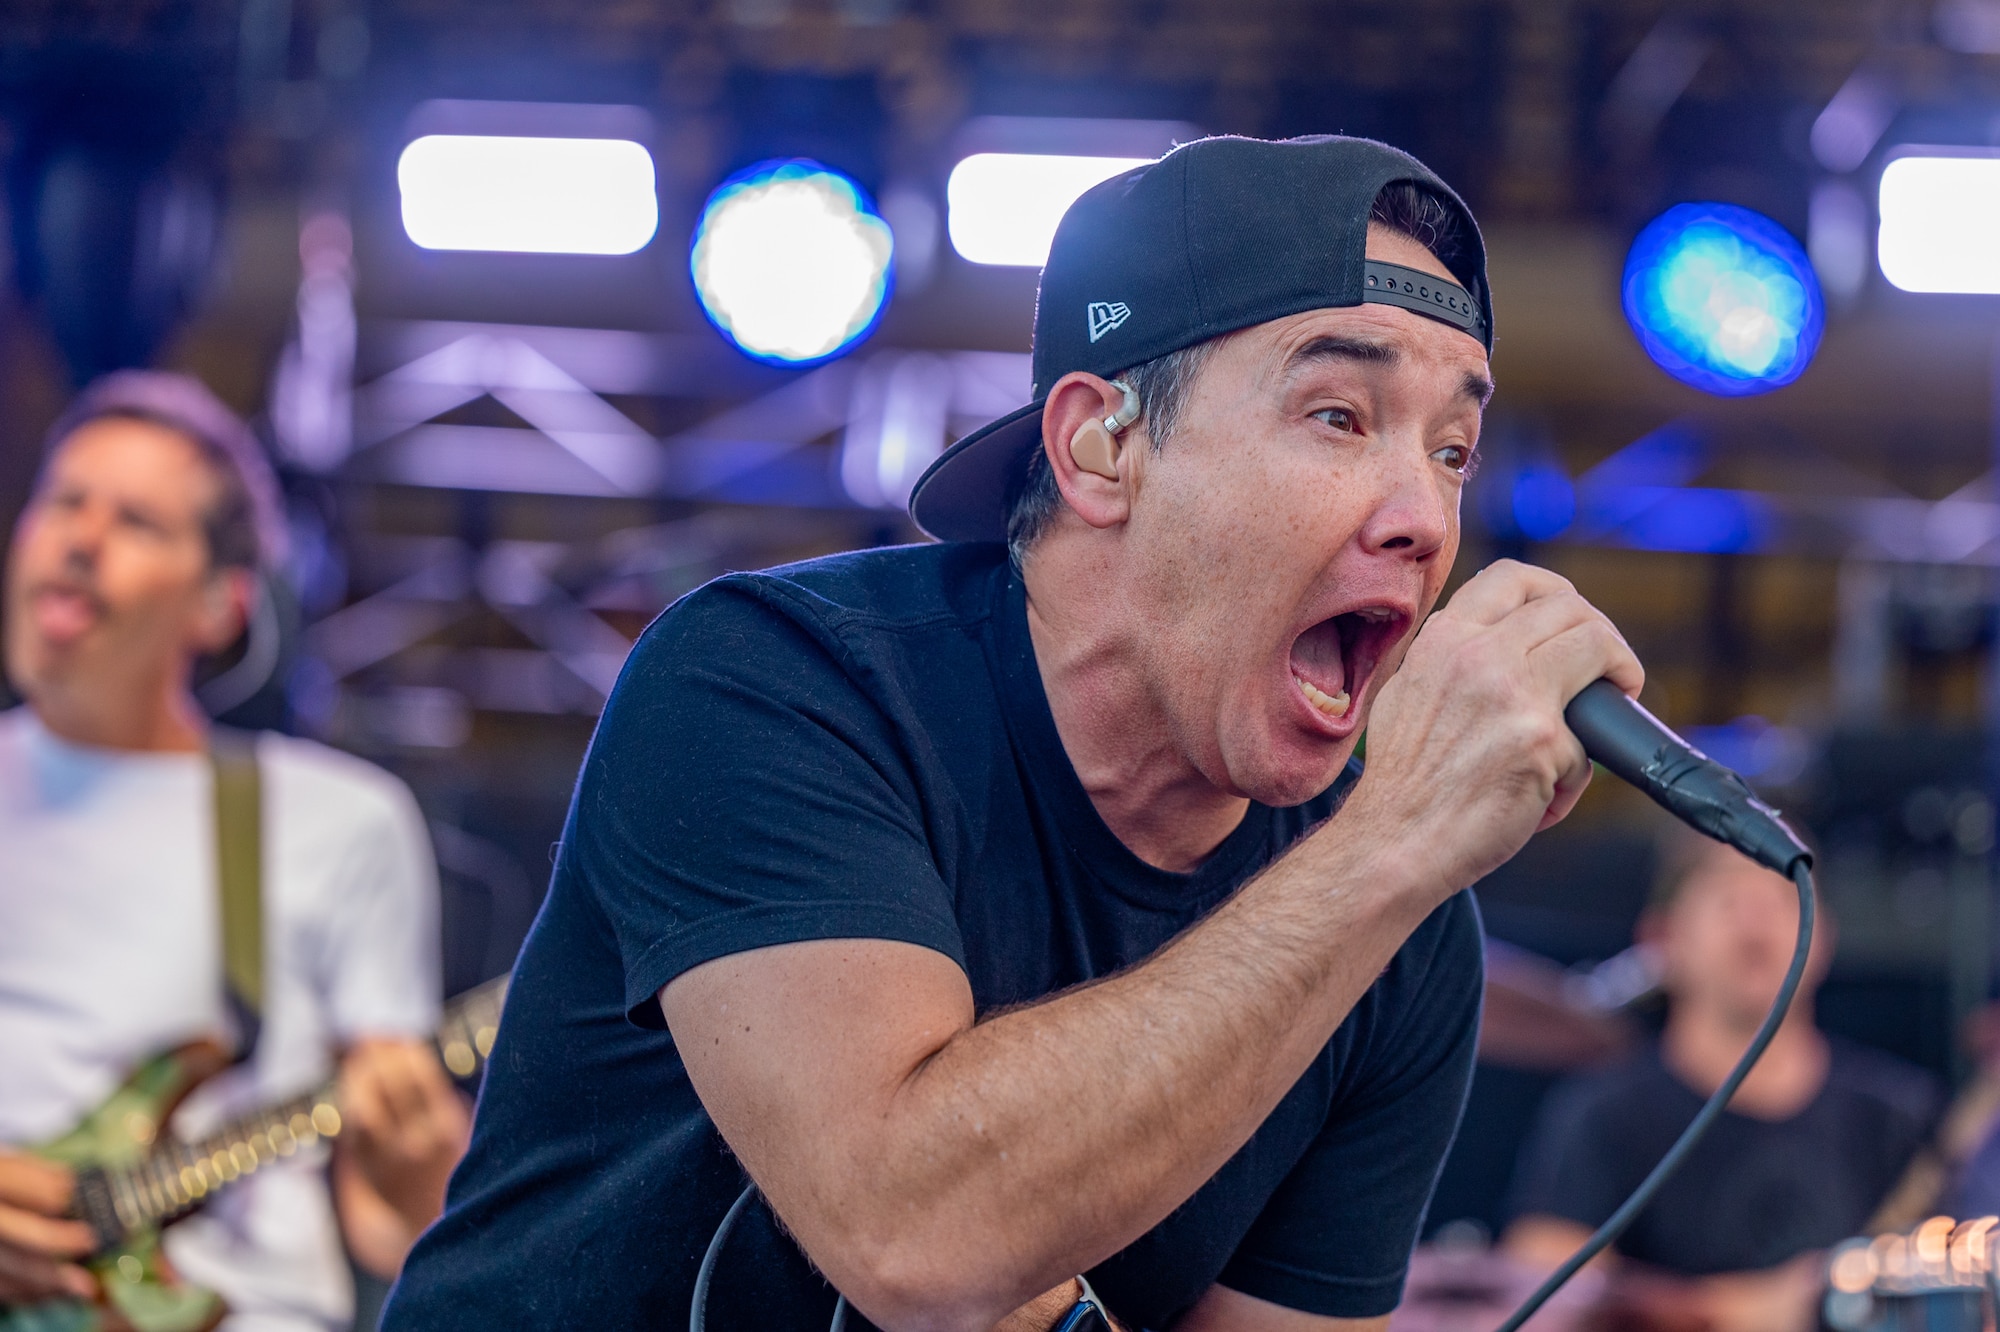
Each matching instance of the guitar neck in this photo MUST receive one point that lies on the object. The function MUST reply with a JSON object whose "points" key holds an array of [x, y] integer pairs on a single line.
{"points": [[178, 1177]]}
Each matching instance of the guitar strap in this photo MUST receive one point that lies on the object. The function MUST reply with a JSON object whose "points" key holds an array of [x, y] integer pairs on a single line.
{"points": [[239, 865]]}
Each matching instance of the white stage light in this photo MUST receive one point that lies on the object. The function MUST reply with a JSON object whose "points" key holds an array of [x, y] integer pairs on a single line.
{"points": [[791, 261], [1941, 222], [1003, 207], [529, 195]]}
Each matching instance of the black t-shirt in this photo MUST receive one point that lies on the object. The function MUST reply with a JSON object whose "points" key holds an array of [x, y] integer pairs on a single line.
{"points": [[1754, 1192], [860, 747]]}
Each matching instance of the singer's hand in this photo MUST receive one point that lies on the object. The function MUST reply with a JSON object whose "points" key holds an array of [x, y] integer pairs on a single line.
{"points": [[1468, 755]]}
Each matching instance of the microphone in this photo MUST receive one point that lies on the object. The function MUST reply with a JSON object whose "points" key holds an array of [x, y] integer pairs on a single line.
{"points": [[1636, 745]]}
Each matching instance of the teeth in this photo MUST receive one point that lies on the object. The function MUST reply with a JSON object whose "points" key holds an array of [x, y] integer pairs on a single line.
{"points": [[1333, 705], [1379, 614]]}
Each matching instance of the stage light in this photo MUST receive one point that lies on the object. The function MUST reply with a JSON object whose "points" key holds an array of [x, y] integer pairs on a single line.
{"points": [[1723, 298], [791, 261], [1542, 502], [528, 195], [1002, 208], [1938, 222]]}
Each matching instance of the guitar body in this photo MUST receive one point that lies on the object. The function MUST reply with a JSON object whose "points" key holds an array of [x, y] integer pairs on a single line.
{"points": [[140, 1291], [133, 1177]]}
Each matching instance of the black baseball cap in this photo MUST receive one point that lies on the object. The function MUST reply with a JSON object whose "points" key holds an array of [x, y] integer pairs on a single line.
{"points": [[1218, 235]]}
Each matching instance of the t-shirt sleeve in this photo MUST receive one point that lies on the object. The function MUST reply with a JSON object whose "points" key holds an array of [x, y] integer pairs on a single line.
{"points": [[1336, 1237], [1576, 1165], [746, 790]]}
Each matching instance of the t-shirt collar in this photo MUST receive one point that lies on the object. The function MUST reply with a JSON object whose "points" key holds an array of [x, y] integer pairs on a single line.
{"points": [[62, 771]]}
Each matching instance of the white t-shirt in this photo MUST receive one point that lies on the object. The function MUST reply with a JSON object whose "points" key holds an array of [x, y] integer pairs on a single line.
{"points": [[110, 952]]}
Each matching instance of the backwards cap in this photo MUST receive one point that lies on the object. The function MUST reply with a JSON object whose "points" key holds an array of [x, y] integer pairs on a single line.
{"points": [[1218, 235]]}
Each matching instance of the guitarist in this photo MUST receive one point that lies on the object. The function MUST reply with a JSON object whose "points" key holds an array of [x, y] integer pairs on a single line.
{"points": [[137, 556]]}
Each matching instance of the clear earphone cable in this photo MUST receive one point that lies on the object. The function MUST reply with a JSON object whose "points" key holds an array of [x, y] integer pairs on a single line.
{"points": [[1697, 1127]]}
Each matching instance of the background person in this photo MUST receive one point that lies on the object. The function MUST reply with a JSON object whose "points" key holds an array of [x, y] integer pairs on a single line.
{"points": [[1809, 1149], [137, 557]]}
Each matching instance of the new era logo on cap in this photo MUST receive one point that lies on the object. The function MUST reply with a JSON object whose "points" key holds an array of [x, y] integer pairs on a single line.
{"points": [[1105, 316]]}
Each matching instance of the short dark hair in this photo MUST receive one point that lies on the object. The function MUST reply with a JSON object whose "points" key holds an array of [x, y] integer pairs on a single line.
{"points": [[244, 527], [1163, 383], [1432, 223]]}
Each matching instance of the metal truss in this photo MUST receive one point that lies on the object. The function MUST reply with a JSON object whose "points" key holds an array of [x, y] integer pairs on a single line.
{"points": [[844, 441]]}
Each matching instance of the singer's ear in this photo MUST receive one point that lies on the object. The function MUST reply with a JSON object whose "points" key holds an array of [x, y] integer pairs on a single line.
{"points": [[1096, 471]]}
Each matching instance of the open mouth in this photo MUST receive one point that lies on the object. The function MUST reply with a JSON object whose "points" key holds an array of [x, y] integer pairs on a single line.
{"points": [[1333, 661], [64, 613]]}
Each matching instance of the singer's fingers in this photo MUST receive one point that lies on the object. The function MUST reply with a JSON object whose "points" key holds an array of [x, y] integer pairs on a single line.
{"points": [[1501, 588], [1587, 650], [1568, 642], [1571, 780]]}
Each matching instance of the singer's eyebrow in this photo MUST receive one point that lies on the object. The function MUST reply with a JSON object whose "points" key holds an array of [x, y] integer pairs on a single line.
{"points": [[1477, 387], [1343, 349]]}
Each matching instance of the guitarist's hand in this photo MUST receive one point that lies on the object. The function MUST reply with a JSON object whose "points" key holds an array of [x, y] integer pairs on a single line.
{"points": [[407, 1126], [34, 1236]]}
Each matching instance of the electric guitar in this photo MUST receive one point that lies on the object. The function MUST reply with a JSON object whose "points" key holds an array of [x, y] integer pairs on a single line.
{"points": [[133, 1179]]}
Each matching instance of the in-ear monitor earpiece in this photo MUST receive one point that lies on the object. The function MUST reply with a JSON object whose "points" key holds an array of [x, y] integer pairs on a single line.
{"points": [[1094, 446]]}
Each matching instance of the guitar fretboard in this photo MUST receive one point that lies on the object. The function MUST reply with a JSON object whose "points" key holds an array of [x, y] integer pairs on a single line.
{"points": [[178, 1177]]}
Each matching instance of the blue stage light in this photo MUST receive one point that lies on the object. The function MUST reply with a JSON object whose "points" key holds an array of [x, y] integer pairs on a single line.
{"points": [[791, 262], [1543, 502], [1723, 298], [1699, 521]]}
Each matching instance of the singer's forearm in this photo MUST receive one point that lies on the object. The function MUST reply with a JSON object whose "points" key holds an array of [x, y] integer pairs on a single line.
{"points": [[955, 1169]]}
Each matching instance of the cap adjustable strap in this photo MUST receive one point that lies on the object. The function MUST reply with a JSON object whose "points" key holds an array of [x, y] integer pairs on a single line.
{"points": [[1426, 293]]}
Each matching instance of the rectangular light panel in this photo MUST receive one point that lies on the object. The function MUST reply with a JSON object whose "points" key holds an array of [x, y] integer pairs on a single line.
{"points": [[1940, 214], [528, 195], [1002, 208]]}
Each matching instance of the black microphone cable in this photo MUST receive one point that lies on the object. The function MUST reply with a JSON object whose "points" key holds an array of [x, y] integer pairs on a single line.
{"points": [[1635, 745], [698, 1306], [1697, 1127]]}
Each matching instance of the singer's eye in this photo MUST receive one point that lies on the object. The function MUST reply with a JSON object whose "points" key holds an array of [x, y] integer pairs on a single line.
{"points": [[1455, 456], [1337, 417]]}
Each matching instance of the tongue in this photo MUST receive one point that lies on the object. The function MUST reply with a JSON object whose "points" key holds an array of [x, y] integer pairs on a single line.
{"points": [[63, 617], [1318, 659]]}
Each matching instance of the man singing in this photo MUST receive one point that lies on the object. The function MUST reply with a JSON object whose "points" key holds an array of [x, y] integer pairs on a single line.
{"points": [[1008, 909]]}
